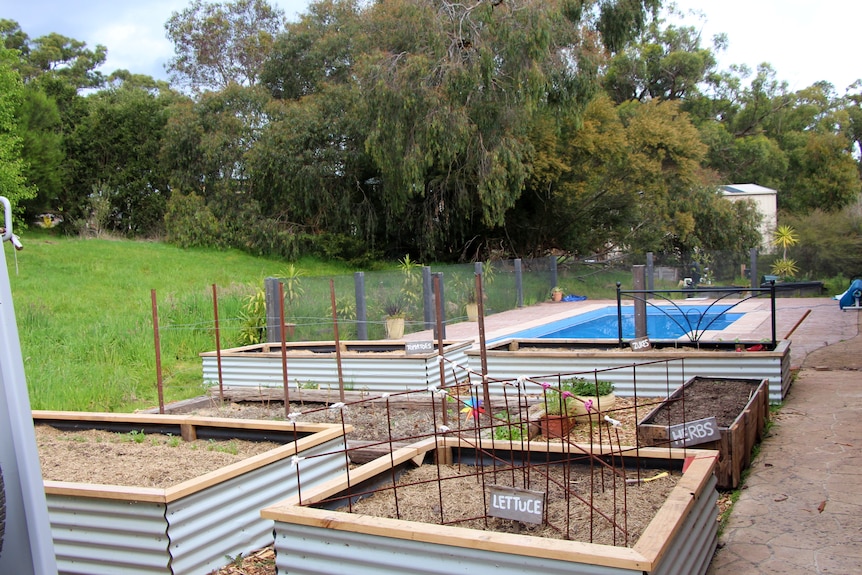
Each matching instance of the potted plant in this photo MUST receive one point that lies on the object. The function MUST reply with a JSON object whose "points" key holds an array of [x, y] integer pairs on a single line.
{"points": [[395, 313], [557, 293], [557, 416], [590, 397]]}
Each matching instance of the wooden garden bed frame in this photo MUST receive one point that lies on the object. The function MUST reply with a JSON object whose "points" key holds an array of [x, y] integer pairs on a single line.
{"points": [[736, 441], [680, 539], [191, 527]]}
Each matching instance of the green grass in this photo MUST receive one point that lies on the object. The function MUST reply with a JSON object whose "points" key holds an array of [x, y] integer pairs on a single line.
{"points": [[85, 320]]}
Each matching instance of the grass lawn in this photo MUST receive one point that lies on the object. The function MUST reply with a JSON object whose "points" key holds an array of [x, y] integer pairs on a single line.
{"points": [[85, 320]]}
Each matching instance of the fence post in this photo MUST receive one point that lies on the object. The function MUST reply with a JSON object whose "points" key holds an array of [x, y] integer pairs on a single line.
{"points": [[640, 302], [439, 276], [752, 253], [519, 283], [273, 334], [552, 265], [361, 307], [650, 273], [427, 298]]}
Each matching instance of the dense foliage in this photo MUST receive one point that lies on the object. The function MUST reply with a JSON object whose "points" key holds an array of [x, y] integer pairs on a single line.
{"points": [[444, 130]]}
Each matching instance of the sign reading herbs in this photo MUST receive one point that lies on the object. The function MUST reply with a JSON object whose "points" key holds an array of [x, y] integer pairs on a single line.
{"points": [[694, 432], [516, 504]]}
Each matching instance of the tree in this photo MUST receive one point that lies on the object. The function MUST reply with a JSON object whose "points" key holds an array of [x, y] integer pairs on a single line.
{"points": [[56, 55], [13, 185], [114, 152], [40, 130], [216, 44], [667, 63]]}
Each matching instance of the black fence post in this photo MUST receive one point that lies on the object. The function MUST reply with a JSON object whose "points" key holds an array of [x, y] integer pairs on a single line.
{"points": [[361, 307], [428, 314], [552, 264], [273, 333], [752, 254], [519, 283], [650, 273]]}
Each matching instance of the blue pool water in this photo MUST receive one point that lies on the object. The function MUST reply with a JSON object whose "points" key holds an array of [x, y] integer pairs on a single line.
{"points": [[665, 323]]}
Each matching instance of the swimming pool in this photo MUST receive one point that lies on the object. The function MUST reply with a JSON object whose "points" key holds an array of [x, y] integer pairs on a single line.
{"points": [[664, 322]]}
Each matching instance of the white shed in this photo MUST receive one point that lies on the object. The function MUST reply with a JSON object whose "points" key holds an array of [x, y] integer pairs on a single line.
{"points": [[766, 201]]}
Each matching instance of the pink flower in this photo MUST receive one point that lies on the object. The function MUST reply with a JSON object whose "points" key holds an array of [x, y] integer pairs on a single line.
{"points": [[545, 385], [588, 405], [568, 394]]}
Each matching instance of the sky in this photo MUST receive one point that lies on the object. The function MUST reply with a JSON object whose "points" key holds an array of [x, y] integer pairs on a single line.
{"points": [[803, 40]]}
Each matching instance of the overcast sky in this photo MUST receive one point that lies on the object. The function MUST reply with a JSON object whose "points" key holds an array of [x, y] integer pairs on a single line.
{"points": [[805, 41]]}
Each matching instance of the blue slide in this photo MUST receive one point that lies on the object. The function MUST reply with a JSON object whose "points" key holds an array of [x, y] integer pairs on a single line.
{"points": [[852, 296]]}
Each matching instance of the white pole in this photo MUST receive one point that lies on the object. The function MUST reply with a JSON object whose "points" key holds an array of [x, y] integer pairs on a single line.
{"points": [[26, 546]]}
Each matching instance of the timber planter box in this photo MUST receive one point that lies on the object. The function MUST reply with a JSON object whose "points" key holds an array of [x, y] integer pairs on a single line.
{"points": [[192, 527], [700, 398], [320, 535]]}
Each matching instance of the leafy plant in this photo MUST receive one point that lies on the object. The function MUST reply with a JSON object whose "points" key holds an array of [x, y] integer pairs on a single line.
{"points": [[511, 431], [394, 307], [223, 446], [586, 388], [136, 436], [253, 318], [293, 289], [785, 236], [564, 397], [784, 268]]}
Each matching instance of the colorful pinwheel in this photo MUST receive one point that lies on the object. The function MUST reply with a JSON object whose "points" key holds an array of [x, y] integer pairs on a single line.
{"points": [[472, 406]]}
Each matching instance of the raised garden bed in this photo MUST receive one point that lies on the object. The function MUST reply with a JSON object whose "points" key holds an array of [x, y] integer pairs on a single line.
{"points": [[741, 410], [316, 536], [367, 366], [194, 526], [652, 373]]}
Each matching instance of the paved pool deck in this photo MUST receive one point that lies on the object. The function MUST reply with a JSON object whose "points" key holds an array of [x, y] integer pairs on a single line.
{"points": [[800, 508]]}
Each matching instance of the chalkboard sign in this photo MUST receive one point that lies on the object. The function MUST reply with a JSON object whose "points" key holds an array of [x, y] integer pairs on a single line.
{"points": [[694, 432], [417, 347], [516, 504], [640, 344]]}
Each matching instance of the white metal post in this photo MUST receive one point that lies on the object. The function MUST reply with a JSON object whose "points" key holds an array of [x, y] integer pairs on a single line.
{"points": [[27, 545]]}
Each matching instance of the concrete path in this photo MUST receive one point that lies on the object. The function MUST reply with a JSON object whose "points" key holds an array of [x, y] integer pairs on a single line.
{"points": [[800, 511]]}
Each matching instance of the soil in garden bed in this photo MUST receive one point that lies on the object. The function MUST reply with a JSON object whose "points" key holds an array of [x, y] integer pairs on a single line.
{"points": [[706, 397], [575, 513], [134, 459]]}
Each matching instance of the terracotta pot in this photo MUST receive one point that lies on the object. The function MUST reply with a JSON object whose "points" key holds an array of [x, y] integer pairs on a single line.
{"points": [[394, 327], [556, 425], [557, 296]]}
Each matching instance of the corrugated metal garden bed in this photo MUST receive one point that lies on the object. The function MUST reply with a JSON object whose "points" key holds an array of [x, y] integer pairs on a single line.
{"points": [[651, 373], [194, 526], [317, 533], [366, 366]]}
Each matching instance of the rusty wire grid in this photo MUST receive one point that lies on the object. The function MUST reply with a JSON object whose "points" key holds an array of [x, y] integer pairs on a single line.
{"points": [[588, 485]]}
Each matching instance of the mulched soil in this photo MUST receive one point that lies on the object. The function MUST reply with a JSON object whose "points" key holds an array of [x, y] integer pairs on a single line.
{"points": [[706, 397]]}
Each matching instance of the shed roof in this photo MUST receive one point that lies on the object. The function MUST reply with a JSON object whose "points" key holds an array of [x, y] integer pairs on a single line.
{"points": [[747, 190]]}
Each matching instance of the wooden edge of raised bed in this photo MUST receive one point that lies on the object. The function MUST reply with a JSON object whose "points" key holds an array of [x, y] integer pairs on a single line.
{"points": [[274, 349], [415, 451], [99, 491], [180, 419], [502, 348], [658, 535], [571, 551], [644, 556], [320, 433]]}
